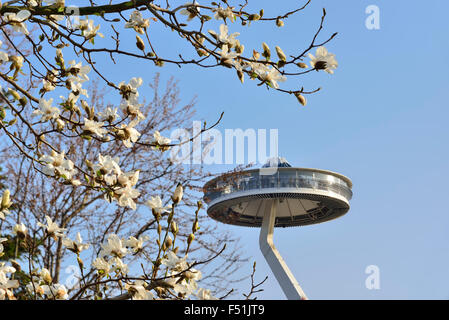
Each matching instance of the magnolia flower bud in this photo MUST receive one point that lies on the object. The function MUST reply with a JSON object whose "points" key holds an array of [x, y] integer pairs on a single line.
{"points": [[23, 101], [199, 38], [59, 124], [256, 55], [139, 43], [302, 65], [254, 17], [266, 51], [174, 227], [85, 107], [177, 195], [158, 63], [239, 48], [59, 58], [241, 76], [15, 94], [202, 53], [6, 200], [281, 54], [45, 275], [168, 242], [301, 99], [279, 22], [190, 238]]}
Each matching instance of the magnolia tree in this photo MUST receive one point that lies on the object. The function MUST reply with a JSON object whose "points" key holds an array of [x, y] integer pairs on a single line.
{"points": [[51, 50]]}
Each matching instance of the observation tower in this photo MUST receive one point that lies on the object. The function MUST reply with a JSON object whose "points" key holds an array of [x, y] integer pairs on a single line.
{"points": [[278, 195]]}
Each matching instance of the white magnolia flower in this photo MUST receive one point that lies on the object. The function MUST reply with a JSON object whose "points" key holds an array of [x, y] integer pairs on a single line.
{"points": [[223, 37], [172, 261], [16, 20], [138, 291], [54, 18], [132, 107], [32, 3], [34, 286], [49, 82], [48, 85], [4, 270], [3, 212], [77, 71], [155, 203], [7, 284], [17, 61], [177, 195], [119, 266], [323, 60], [20, 230], [5, 203], [1, 245], [272, 76], [227, 56], [136, 244], [58, 3], [193, 274], [88, 29], [181, 286], [56, 163], [45, 275], [52, 228], [75, 246], [127, 196], [191, 11], [110, 114], [129, 179], [102, 265], [131, 88], [108, 167], [205, 294], [77, 90], [129, 134], [55, 291], [3, 55], [137, 22], [221, 13], [160, 140], [113, 247], [46, 110], [94, 127]]}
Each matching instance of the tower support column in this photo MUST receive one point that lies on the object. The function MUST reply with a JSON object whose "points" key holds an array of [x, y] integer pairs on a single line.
{"points": [[278, 266]]}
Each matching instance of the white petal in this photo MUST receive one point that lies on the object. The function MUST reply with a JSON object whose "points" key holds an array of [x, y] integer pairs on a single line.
{"points": [[23, 15]]}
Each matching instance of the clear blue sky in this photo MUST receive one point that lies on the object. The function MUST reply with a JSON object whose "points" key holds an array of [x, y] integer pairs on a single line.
{"points": [[381, 119]]}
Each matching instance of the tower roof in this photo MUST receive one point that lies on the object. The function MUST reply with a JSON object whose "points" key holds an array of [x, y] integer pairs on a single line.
{"points": [[277, 162]]}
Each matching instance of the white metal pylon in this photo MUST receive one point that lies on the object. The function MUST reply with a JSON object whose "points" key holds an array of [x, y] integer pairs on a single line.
{"points": [[280, 269]]}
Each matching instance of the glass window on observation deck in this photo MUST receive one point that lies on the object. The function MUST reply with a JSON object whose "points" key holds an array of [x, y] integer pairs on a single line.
{"points": [[269, 181], [287, 179]]}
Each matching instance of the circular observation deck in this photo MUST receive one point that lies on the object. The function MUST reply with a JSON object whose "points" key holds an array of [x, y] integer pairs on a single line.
{"points": [[305, 196]]}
